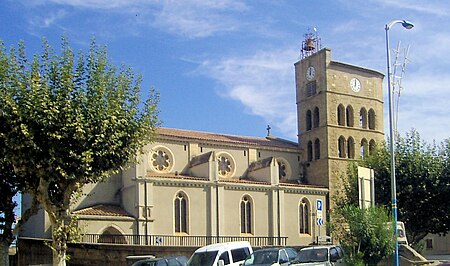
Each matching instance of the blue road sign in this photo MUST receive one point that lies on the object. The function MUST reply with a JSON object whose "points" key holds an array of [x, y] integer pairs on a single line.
{"points": [[319, 205]]}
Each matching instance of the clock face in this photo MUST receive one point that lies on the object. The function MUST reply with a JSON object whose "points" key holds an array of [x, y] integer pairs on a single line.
{"points": [[310, 73], [355, 84]]}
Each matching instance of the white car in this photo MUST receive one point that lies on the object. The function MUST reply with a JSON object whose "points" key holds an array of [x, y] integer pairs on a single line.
{"points": [[320, 256]]}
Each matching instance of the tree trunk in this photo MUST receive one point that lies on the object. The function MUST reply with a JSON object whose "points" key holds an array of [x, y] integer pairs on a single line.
{"points": [[4, 253], [60, 235]]}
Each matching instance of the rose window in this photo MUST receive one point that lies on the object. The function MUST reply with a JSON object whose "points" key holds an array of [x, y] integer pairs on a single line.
{"points": [[225, 165], [161, 160], [284, 170]]}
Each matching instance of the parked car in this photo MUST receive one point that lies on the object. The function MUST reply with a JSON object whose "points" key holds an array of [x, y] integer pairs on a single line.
{"points": [[271, 257], [229, 253], [320, 255], [165, 261]]}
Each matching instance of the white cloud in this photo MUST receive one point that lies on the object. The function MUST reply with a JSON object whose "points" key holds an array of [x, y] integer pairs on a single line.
{"points": [[197, 18], [438, 8], [263, 83]]}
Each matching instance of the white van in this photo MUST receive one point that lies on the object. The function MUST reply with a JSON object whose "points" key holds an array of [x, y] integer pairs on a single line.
{"points": [[229, 253]]}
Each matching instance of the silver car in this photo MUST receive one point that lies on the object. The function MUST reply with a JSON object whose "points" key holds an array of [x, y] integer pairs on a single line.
{"points": [[320, 256]]}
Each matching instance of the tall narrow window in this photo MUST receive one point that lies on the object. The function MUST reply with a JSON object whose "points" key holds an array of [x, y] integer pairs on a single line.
{"points": [[341, 147], [310, 151], [349, 116], [341, 115], [371, 119], [181, 214], [316, 118], [303, 211], [308, 120], [246, 215], [317, 149], [363, 118], [364, 148], [372, 147], [351, 148]]}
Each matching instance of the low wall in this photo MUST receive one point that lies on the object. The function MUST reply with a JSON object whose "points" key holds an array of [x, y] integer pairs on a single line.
{"points": [[36, 252]]}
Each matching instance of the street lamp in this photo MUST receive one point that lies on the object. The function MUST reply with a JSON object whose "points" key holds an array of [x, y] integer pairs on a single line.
{"points": [[407, 25]]}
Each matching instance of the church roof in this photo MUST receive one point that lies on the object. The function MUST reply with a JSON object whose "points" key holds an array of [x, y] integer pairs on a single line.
{"points": [[269, 142], [103, 210]]}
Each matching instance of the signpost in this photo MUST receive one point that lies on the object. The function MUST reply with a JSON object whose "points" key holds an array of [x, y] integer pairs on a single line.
{"points": [[319, 209]]}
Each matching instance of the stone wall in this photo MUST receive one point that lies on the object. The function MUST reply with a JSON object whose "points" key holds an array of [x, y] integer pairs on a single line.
{"points": [[36, 252]]}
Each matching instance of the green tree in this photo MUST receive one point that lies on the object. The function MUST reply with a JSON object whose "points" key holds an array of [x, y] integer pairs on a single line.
{"points": [[367, 236], [423, 184], [8, 189], [69, 120]]}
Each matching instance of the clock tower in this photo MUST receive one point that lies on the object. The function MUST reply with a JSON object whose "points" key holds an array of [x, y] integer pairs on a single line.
{"points": [[339, 112]]}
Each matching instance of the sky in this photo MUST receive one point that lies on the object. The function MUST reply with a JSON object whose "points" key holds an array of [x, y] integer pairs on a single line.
{"points": [[227, 66]]}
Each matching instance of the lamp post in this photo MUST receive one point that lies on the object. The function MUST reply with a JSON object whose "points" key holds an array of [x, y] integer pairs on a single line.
{"points": [[406, 25]]}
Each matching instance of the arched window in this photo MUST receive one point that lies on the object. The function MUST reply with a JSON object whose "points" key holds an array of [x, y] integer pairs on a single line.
{"points": [[351, 148], [364, 148], [349, 116], [341, 147], [181, 213], [363, 118], [341, 115], [316, 118], [310, 151], [372, 146], [317, 149], [308, 120], [371, 119], [112, 236], [303, 215], [246, 215]]}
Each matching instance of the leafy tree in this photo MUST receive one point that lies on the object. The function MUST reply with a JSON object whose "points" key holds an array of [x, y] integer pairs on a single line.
{"points": [[423, 184], [366, 235], [8, 189], [69, 120]]}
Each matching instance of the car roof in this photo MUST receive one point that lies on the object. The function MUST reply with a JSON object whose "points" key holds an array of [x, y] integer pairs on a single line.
{"points": [[318, 247], [221, 246]]}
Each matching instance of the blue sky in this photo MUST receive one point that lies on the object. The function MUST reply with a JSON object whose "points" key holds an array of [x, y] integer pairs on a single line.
{"points": [[226, 66]]}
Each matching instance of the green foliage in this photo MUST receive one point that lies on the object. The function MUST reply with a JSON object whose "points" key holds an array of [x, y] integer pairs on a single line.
{"points": [[367, 235], [68, 120], [423, 184]]}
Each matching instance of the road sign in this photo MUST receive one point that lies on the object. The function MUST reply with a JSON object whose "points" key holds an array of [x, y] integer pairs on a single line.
{"points": [[319, 205], [320, 221], [319, 209]]}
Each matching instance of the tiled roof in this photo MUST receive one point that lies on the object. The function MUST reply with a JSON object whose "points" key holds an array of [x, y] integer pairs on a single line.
{"points": [[227, 139], [103, 210]]}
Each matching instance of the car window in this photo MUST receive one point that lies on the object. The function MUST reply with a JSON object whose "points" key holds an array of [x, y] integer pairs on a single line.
{"points": [[334, 255], [313, 255], [174, 262], [225, 257], [283, 256], [161, 263], [340, 251], [202, 258], [292, 254], [240, 254]]}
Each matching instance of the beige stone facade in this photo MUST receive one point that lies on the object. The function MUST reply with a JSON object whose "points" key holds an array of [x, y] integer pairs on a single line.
{"points": [[340, 116], [190, 186]]}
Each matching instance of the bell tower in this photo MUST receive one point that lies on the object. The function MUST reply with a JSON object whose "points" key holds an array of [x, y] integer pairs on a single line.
{"points": [[339, 113]]}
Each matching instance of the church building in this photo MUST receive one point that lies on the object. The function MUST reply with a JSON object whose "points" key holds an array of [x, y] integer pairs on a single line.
{"points": [[192, 188]]}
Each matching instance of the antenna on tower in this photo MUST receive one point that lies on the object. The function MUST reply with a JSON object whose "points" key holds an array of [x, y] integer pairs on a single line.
{"points": [[396, 79], [311, 43]]}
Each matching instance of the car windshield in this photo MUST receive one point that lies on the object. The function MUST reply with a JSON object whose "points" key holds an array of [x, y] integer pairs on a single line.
{"points": [[313, 255], [266, 257], [202, 258]]}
